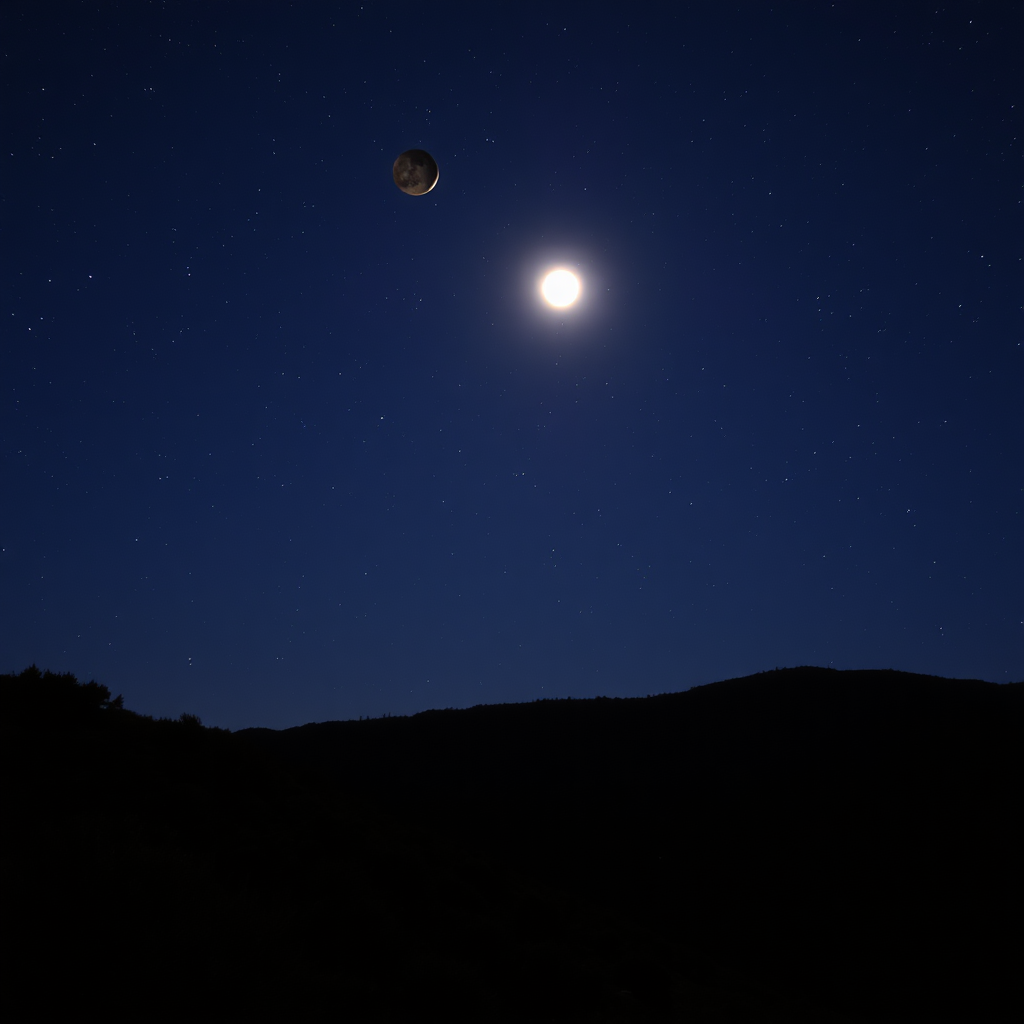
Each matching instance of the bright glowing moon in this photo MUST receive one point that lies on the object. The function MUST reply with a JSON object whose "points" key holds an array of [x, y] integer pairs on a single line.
{"points": [[560, 288]]}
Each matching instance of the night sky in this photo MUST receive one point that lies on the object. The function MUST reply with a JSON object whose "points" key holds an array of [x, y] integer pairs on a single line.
{"points": [[280, 443]]}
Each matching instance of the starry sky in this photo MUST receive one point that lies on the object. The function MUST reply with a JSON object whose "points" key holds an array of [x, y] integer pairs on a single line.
{"points": [[280, 443]]}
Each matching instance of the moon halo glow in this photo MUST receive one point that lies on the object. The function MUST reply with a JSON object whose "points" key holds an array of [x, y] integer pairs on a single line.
{"points": [[560, 288]]}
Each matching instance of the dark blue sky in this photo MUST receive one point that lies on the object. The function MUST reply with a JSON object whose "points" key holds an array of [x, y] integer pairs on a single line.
{"points": [[279, 443]]}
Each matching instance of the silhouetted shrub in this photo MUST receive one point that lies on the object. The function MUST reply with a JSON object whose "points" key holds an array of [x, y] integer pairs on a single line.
{"points": [[54, 695]]}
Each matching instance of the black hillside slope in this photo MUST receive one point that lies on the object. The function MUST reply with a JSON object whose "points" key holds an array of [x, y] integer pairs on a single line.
{"points": [[798, 845]]}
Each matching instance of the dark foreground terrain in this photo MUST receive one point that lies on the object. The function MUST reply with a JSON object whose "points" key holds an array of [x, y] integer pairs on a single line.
{"points": [[801, 845]]}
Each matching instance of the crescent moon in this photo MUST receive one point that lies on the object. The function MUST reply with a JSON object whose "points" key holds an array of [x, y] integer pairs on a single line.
{"points": [[415, 172]]}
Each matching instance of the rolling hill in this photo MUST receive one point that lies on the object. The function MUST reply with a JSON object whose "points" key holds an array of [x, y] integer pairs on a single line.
{"points": [[803, 844]]}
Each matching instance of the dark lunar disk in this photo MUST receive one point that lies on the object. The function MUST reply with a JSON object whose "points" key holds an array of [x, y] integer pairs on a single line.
{"points": [[415, 172]]}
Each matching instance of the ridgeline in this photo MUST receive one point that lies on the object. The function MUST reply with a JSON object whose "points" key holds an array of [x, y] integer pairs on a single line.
{"points": [[800, 845]]}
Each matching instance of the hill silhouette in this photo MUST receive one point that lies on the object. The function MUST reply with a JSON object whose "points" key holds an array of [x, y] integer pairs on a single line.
{"points": [[802, 844]]}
